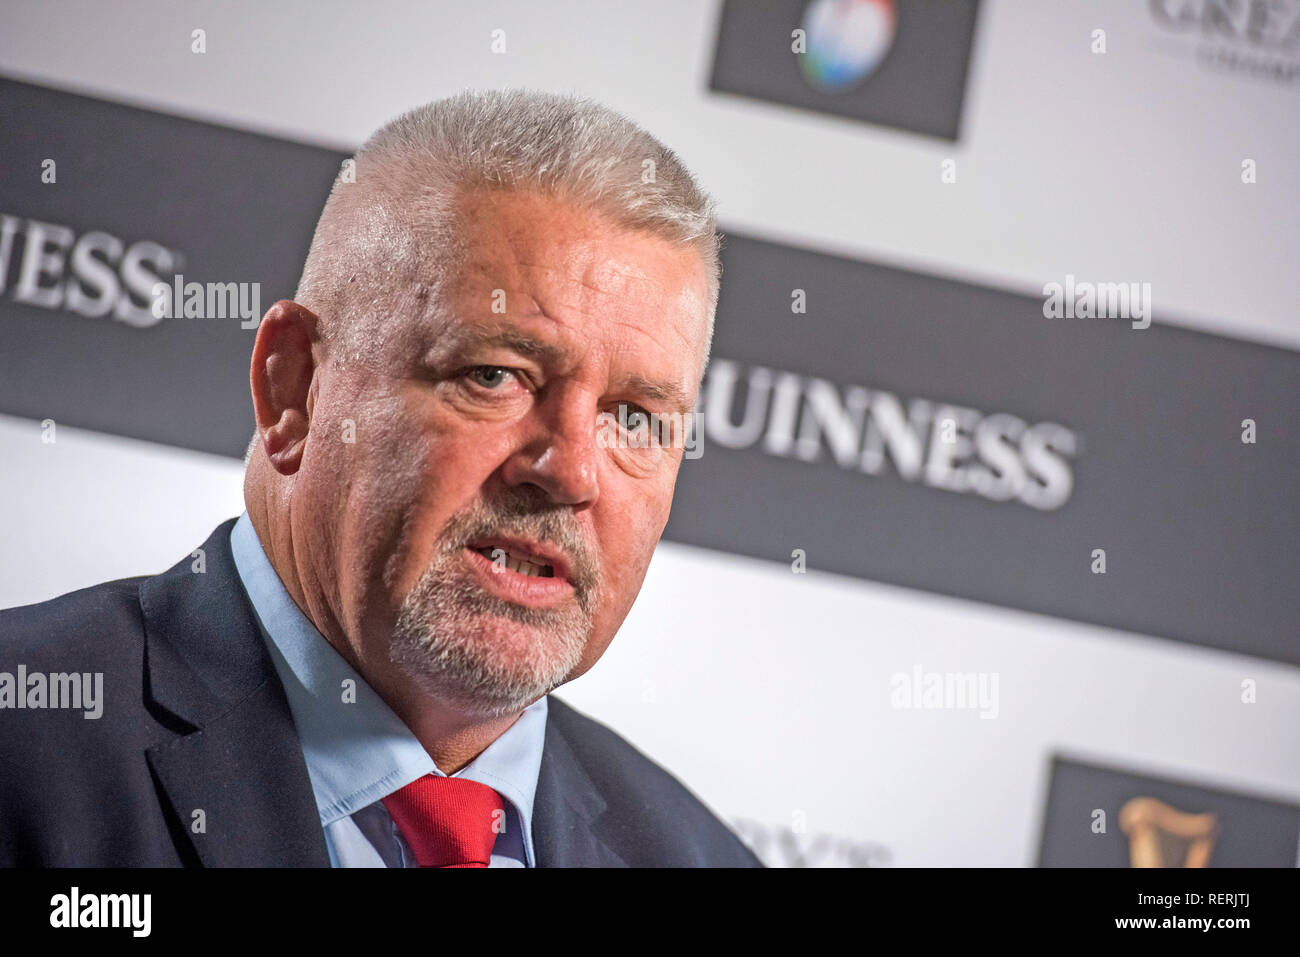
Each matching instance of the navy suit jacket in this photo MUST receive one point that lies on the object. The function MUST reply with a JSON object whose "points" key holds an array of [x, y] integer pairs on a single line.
{"points": [[195, 719]]}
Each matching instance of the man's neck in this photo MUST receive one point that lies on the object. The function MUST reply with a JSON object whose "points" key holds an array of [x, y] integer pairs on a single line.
{"points": [[450, 736]]}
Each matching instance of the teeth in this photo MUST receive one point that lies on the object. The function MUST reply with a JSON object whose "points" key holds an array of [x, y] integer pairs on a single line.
{"points": [[523, 567], [519, 565]]}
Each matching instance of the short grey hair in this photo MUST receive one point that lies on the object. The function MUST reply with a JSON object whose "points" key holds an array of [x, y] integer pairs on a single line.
{"points": [[392, 235]]}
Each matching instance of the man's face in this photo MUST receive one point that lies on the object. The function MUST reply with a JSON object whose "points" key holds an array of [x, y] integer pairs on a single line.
{"points": [[481, 530]]}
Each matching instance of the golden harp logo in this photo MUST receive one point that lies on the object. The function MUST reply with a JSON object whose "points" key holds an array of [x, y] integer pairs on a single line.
{"points": [[1162, 836]]}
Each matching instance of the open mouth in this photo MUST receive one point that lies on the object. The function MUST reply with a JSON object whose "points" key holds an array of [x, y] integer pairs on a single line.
{"points": [[523, 570], [528, 565]]}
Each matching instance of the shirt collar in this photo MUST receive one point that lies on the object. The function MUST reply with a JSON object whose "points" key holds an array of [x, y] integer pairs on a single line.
{"points": [[357, 750]]}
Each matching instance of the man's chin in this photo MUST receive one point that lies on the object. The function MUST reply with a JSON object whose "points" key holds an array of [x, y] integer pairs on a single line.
{"points": [[472, 704], [486, 664]]}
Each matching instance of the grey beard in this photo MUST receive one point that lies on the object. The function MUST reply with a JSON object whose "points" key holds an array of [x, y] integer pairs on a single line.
{"points": [[440, 641]]}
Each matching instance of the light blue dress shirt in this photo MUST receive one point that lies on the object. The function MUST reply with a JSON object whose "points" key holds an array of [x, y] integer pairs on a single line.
{"points": [[359, 751]]}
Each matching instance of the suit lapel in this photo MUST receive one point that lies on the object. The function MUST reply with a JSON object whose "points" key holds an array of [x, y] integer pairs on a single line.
{"points": [[566, 809], [234, 753], [239, 771]]}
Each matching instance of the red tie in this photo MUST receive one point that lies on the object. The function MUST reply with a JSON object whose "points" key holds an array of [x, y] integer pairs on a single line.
{"points": [[449, 822]]}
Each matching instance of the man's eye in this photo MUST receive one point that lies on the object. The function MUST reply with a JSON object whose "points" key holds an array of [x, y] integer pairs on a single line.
{"points": [[633, 415], [638, 425], [489, 377]]}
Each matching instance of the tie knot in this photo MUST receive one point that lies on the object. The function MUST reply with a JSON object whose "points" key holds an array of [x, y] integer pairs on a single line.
{"points": [[449, 822]]}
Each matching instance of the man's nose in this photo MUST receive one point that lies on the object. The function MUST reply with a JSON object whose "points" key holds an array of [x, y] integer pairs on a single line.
{"points": [[559, 456]]}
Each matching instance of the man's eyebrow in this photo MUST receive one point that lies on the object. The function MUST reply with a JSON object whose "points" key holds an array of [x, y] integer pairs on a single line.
{"points": [[516, 341], [669, 393]]}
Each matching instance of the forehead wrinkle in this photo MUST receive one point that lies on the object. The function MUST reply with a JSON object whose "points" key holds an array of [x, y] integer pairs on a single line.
{"points": [[684, 297], [632, 279], [649, 334]]}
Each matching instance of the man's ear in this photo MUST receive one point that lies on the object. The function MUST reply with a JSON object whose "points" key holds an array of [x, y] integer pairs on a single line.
{"points": [[281, 380]]}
